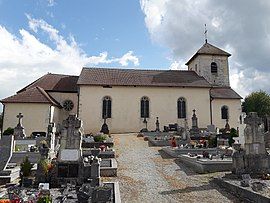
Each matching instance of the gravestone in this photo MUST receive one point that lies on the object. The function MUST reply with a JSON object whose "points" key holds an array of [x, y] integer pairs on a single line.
{"points": [[157, 125], [69, 163], [194, 131], [186, 133], [19, 129], [253, 159], [227, 128], [104, 127]]}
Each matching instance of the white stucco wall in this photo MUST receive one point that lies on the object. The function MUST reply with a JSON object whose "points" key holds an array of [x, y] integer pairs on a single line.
{"points": [[235, 110], [203, 63], [126, 107], [62, 114], [35, 116]]}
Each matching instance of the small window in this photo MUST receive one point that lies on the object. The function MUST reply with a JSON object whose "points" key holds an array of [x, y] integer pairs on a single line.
{"points": [[196, 68], [144, 107], [181, 108], [107, 107], [214, 67], [224, 112]]}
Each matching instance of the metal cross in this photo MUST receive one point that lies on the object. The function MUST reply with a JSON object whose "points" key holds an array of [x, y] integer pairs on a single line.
{"points": [[205, 33]]}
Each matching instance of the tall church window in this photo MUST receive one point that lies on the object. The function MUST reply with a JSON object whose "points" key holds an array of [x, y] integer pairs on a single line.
{"points": [[144, 107], [107, 107], [224, 112], [181, 108], [214, 67]]}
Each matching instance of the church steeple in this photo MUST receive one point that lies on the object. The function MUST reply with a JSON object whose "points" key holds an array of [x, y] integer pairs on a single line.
{"points": [[212, 63]]}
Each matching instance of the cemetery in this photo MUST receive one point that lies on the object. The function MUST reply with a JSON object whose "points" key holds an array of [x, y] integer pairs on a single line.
{"points": [[68, 171]]}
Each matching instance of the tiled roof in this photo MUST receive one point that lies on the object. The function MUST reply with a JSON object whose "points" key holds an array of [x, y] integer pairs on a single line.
{"points": [[32, 95], [224, 93], [209, 49], [135, 77], [55, 83]]}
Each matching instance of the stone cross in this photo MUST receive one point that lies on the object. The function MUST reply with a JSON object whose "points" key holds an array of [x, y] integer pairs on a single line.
{"points": [[253, 119], [19, 116], [72, 132]]}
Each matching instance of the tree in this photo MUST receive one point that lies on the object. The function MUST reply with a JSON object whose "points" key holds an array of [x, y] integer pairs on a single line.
{"points": [[257, 102]]}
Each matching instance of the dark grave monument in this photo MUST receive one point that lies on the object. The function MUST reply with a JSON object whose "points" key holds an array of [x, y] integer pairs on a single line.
{"points": [[157, 125], [104, 127], [19, 129], [194, 131]]}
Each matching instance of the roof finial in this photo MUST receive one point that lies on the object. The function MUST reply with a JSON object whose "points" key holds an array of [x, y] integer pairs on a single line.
{"points": [[205, 33]]}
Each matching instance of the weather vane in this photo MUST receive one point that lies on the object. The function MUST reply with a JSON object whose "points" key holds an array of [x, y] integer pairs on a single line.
{"points": [[205, 33]]}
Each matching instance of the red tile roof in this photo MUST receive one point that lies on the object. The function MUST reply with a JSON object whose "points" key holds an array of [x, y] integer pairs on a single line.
{"points": [[31, 95], [135, 77], [224, 93], [55, 83], [209, 49]]}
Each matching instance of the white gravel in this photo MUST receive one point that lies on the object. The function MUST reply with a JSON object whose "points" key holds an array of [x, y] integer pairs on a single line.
{"points": [[144, 176]]}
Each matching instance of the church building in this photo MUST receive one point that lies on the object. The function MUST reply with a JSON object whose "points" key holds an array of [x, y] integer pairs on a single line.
{"points": [[127, 98]]}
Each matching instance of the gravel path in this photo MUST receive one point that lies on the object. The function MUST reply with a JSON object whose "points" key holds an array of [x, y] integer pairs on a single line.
{"points": [[146, 175]]}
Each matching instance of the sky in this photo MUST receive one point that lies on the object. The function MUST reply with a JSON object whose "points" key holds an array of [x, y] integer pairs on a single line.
{"points": [[62, 36]]}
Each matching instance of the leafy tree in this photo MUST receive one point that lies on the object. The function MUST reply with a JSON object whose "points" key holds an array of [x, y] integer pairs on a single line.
{"points": [[257, 102]]}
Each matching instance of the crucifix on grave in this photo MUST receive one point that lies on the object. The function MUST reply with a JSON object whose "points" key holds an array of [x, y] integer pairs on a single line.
{"points": [[19, 129], [254, 137], [157, 125]]}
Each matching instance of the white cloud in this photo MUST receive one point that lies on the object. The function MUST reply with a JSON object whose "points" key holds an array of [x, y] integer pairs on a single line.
{"points": [[241, 27], [51, 2], [25, 58], [128, 57]]}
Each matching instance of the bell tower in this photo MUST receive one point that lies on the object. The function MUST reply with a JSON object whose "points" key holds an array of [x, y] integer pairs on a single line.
{"points": [[211, 63]]}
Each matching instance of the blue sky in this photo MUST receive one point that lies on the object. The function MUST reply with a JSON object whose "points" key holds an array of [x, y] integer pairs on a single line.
{"points": [[115, 26], [62, 36]]}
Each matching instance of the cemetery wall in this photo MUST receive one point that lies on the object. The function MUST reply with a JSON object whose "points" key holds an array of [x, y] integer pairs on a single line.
{"points": [[234, 106], [35, 116], [126, 107]]}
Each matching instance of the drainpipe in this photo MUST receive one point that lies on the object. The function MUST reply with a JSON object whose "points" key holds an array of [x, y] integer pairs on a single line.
{"points": [[3, 115], [211, 111]]}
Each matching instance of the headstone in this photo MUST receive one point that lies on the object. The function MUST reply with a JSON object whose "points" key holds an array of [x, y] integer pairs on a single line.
{"points": [[157, 125], [195, 129], [104, 127], [253, 159], [19, 129], [227, 127], [211, 128], [71, 137]]}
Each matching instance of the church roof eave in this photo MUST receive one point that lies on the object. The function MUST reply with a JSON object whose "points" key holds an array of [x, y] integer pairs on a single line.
{"points": [[209, 49]]}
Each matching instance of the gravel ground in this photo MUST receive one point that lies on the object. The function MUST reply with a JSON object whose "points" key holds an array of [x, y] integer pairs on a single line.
{"points": [[147, 175]]}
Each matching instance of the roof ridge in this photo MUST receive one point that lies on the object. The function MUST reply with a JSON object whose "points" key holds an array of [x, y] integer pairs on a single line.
{"points": [[136, 69]]}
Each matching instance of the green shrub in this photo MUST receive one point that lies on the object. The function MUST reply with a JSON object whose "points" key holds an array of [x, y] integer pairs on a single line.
{"points": [[26, 167], [100, 138], [45, 199], [9, 131]]}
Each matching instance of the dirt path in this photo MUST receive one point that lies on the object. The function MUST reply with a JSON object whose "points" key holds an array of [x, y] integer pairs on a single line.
{"points": [[146, 175]]}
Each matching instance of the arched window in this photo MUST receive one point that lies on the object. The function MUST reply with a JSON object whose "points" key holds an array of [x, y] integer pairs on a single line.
{"points": [[181, 108], [224, 112], [107, 107], [144, 107], [214, 67]]}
